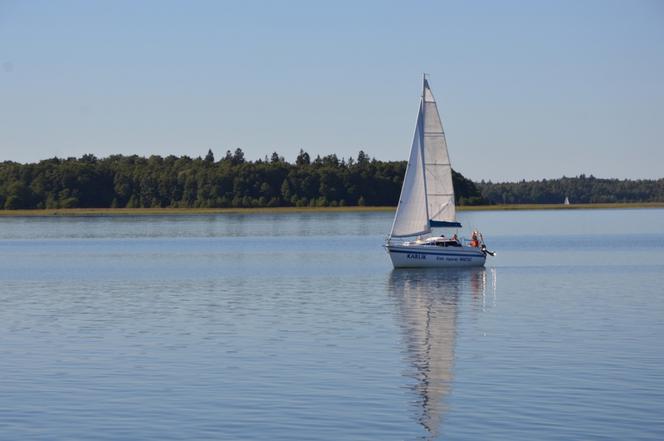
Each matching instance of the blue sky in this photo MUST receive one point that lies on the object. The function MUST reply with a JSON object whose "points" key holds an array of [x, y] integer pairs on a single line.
{"points": [[526, 89]]}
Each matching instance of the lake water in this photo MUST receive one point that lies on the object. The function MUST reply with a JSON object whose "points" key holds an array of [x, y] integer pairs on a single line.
{"points": [[295, 326]]}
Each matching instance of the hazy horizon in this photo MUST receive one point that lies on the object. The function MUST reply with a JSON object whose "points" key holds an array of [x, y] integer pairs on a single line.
{"points": [[525, 91]]}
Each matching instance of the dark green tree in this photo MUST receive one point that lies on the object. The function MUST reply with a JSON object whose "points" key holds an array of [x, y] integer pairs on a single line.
{"points": [[209, 158]]}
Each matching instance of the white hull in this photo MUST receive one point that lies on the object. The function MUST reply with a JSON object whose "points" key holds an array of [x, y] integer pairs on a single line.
{"points": [[427, 256]]}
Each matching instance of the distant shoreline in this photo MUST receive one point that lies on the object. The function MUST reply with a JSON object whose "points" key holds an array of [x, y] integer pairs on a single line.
{"points": [[507, 207], [75, 212]]}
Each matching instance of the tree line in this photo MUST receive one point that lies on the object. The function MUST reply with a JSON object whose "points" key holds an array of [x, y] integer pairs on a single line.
{"points": [[203, 182], [184, 182], [581, 189]]}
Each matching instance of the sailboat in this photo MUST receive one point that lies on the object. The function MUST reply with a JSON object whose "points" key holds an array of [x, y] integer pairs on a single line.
{"points": [[427, 201]]}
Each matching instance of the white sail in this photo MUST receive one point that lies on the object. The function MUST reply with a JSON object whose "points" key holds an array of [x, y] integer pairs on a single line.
{"points": [[438, 170], [412, 218], [427, 195]]}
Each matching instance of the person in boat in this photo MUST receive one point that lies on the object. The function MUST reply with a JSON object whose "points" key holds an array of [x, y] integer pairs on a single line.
{"points": [[473, 240]]}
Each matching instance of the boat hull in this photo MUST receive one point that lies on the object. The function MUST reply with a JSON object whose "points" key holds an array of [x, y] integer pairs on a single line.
{"points": [[422, 256]]}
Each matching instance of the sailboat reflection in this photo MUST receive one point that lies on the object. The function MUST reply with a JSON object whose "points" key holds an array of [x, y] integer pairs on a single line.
{"points": [[427, 301]]}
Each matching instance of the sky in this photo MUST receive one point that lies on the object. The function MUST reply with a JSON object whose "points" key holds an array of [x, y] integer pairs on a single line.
{"points": [[526, 89]]}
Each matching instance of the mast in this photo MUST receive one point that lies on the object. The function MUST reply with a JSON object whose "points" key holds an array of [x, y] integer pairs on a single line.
{"points": [[424, 158]]}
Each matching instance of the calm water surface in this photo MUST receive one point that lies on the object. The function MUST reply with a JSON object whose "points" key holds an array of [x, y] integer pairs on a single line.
{"points": [[295, 326]]}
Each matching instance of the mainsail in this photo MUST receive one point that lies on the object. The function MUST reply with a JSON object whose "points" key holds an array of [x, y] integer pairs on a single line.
{"points": [[427, 194]]}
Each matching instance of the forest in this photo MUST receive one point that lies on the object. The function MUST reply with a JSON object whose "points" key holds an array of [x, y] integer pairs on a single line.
{"points": [[120, 181], [580, 190], [184, 182]]}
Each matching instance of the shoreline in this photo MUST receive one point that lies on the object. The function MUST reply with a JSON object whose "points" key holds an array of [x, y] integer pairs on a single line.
{"points": [[76, 212]]}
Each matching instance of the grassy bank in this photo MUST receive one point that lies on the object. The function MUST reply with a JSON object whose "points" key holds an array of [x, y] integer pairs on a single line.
{"points": [[195, 211]]}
